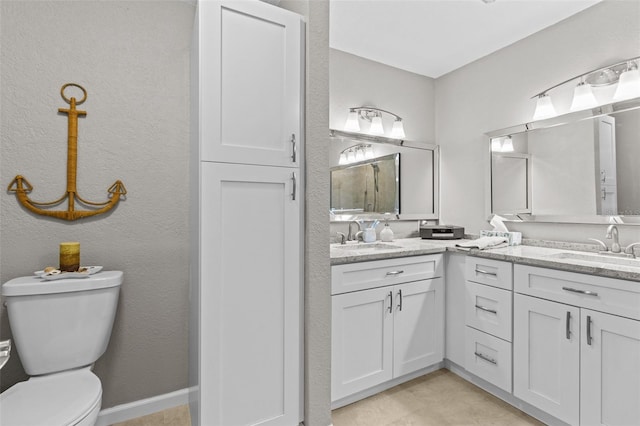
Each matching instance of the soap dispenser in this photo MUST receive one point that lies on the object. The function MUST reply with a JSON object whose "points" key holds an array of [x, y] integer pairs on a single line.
{"points": [[386, 234]]}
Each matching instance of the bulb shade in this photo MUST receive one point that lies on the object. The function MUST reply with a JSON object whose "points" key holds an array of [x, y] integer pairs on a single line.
{"points": [[359, 154], [496, 145], [397, 132], [628, 85], [507, 145], [583, 98], [368, 152], [352, 124], [343, 159], [376, 126], [544, 108], [351, 156]]}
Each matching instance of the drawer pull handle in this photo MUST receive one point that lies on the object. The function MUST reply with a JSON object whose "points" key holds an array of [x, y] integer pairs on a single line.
{"points": [[486, 358], [482, 308], [585, 292], [400, 297], [482, 271], [390, 302], [392, 273], [589, 336], [568, 331]]}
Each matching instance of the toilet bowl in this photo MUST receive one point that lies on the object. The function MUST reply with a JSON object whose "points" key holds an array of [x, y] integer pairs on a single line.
{"points": [[70, 398], [60, 328]]}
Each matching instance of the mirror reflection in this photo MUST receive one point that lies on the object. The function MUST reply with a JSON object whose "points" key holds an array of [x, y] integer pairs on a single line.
{"points": [[581, 168], [370, 186], [408, 191]]}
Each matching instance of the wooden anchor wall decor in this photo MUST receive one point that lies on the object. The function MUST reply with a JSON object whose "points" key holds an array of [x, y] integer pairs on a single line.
{"points": [[22, 187]]}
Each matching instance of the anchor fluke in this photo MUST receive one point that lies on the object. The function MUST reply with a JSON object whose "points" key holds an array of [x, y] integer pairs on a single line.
{"points": [[21, 187]]}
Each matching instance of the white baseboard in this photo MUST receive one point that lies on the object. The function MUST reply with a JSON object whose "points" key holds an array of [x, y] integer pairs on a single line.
{"points": [[142, 407]]}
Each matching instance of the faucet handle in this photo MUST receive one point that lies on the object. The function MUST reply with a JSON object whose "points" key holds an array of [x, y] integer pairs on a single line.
{"points": [[602, 244], [342, 238], [629, 249]]}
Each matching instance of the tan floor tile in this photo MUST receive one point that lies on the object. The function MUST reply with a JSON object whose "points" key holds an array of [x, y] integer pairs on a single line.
{"points": [[176, 416], [440, 398]]}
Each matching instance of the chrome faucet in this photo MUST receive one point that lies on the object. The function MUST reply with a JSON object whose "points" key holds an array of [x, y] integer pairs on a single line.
{"points": [[351, 236], [612, 232]]}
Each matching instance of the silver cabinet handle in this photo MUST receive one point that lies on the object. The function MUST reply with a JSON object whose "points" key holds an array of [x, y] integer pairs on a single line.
{"points": [[293, 193], [482, 271], [392, 273], [589, 337], [390, 302], [486, 358], [293, 147], [585, 292], [482, 308], [568, 330], [400, 297]]}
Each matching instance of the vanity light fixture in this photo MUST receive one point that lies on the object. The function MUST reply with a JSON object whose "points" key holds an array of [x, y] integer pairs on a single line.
{"points": [[356, 153], [625, 74], [374, 116]]}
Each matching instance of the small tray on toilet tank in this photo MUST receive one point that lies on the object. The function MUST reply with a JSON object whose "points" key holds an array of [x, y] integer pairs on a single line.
{"points": [[84, 272]]}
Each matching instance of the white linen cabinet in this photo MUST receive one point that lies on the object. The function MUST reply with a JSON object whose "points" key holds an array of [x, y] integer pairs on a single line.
{"points": [[247, 131]]}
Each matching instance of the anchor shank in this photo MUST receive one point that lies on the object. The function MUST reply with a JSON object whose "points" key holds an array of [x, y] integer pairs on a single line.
{"points": [[72, 151]]}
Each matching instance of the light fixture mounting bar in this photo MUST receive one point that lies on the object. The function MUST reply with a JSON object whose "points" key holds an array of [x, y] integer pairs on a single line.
{"points": [[368, 112], [587, 74]]}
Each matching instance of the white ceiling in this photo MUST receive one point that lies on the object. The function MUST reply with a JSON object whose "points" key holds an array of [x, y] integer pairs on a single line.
{"points": [[434, 37]]}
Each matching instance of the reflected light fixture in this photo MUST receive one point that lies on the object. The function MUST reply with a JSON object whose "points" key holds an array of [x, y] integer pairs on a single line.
{"points": [[625, 74], [374, 116], [502, 144], [356, 153]]}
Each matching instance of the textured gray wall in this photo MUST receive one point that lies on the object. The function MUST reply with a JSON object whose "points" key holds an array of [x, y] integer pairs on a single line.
{"points": [[133, 59], [494, 92]]}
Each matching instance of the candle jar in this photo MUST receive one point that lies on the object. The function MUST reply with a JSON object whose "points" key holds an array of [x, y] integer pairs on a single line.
{"points": [[69, 256]]}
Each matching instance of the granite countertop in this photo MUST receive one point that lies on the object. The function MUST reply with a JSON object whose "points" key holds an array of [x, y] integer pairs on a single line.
{"points": [[561, 256]]}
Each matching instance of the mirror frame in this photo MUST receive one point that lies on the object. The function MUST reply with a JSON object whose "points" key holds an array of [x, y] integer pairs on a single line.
{"points": [[402, 143], [568, 118]]}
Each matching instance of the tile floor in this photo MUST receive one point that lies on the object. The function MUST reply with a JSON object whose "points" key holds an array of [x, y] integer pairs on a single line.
{"points": [[440, 399]]}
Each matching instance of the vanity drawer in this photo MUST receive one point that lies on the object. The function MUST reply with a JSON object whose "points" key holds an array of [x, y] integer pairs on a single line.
{"points": [[610, 295], [491, 272], [488, 309], [489, 358], [379, 273]]}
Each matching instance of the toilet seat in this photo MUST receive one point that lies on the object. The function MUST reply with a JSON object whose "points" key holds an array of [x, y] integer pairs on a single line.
{"points": [[59, 399]]}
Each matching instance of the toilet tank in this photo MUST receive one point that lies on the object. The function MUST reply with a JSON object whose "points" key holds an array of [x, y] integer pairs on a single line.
{"points": [[62, 324]]}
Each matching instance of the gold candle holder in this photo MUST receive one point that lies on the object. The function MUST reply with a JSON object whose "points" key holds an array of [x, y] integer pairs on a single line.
{"points": [[69, 256]]}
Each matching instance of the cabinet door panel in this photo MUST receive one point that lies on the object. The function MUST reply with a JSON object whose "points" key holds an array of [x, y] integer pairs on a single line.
{"points": [[362, 347], [546, 356], [250, 296], [610, 374], [250, 83], [418, 329]]}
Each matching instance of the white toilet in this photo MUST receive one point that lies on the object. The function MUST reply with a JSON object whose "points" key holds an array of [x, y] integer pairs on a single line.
{"points": [[60, 328]]}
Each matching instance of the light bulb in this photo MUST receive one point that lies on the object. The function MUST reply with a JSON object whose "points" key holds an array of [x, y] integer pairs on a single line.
{"points": [[343, 159], [544, 108], [352, 124], [397, 132], [583, 98], [628, 85], [376, 126]]}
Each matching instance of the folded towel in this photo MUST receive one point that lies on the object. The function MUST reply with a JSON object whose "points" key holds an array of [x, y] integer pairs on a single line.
{"points": [[483, 243]]}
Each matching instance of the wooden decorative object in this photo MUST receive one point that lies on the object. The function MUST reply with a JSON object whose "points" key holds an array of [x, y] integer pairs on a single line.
{"points": [[22, 187]]}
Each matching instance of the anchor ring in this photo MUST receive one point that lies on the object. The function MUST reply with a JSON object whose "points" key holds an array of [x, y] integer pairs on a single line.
{"points": [[73, 85]]}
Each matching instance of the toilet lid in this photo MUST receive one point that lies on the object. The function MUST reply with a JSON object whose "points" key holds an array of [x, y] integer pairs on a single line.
{"points": [[56, 399]]}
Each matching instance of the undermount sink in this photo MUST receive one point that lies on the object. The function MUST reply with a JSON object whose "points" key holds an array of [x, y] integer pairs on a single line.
{"points": [[598, 259], [365, 246]]}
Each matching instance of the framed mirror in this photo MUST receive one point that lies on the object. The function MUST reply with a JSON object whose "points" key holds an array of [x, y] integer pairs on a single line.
{"points": [[580, 168], [411, 194]]}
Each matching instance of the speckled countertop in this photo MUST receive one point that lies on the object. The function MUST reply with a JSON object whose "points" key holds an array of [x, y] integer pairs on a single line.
{"points": [[563, 256]]}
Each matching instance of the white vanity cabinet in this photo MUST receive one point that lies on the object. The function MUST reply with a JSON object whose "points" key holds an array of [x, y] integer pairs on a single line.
{"points": [[577, 346], [488, 317], [390, 330]]}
